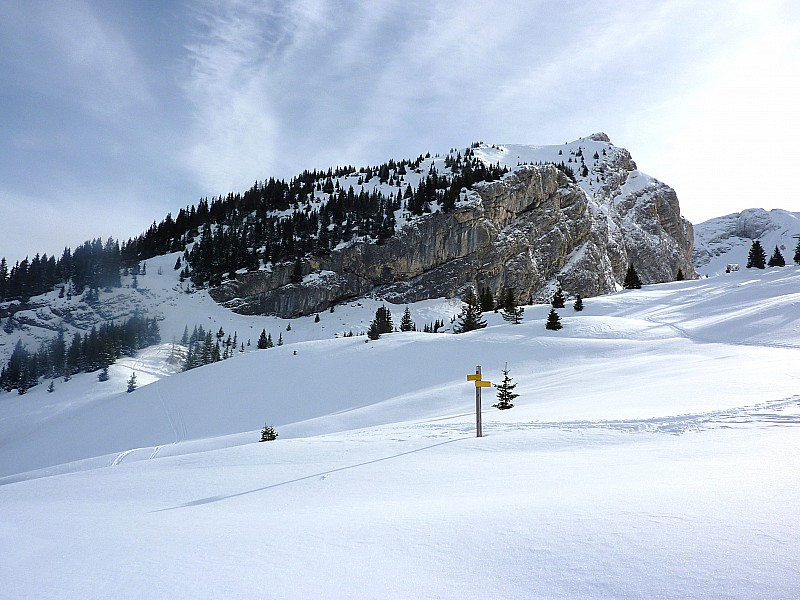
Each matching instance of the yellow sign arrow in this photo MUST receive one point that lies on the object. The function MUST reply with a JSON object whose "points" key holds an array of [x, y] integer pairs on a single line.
{"points": [[483, 384], [474, 377]]}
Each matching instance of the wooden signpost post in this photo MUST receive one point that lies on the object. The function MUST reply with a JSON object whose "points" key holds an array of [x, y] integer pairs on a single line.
{"points": [[479, 383]]}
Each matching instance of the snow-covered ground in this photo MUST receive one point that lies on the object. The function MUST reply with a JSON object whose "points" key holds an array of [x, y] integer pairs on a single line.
{"points": [[653, 452]]}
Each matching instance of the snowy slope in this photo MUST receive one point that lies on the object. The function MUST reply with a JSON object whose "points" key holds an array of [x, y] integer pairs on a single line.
{"points": [[653, 452], [727, 240]]}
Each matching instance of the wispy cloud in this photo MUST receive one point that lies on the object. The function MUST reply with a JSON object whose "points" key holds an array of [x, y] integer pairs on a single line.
{"points": [[64, 51], [236, 73]]}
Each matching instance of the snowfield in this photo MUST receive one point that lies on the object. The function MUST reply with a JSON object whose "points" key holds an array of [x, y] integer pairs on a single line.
{"points": [[653, 452]]}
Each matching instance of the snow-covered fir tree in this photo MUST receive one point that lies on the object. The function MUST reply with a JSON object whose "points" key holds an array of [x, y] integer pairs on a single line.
{"points": [[505, 391]]}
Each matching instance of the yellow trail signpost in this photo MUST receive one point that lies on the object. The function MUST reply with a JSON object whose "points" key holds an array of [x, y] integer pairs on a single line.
{"points": [[479, 383]]}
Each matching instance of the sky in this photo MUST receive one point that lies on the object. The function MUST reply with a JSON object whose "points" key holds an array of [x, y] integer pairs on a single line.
{"points": [[116, 113]]}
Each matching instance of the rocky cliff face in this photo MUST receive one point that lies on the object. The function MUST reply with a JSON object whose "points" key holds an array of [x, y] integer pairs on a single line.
{"points": [[531, 231]]}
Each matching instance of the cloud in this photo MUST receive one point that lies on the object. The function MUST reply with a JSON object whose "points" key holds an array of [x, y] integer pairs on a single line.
{"points": [[235, 71], [63, 51]]}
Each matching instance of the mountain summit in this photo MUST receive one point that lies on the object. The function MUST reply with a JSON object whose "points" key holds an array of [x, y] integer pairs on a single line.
{"points": [[574, 215]]}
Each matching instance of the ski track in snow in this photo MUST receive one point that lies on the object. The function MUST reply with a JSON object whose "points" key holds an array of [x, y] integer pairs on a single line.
{"points": [[180, 432], [121, 457], [776, 413]]}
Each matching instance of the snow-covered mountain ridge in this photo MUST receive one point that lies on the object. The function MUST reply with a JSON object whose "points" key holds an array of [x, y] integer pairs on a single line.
{"points": [[727, 240], [532, 230]]}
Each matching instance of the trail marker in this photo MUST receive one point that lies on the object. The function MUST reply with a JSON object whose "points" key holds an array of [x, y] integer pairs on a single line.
{"points": [[479, 383]]}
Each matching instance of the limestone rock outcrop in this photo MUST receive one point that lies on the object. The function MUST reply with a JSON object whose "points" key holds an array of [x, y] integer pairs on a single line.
{"points": [[531, 231]]}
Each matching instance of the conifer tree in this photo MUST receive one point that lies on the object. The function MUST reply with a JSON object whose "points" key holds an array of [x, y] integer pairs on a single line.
{"points": [[262, 340], [470, 317], [132, 382], [632, 281], [578, 306], [558, 298], [52, 387], [757, 258], [505, 392], [406, 324], [374, 332], [511, 312], [487, 300], [268, 434], [383, 320], [680, 276], [103, 374], [280, 339], [269, 343], [797, 253], [553, 321], [777, 260]]}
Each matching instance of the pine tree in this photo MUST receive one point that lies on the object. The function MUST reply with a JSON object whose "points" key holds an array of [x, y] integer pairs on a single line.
{"points": [[757, 258], [383, 318], [52, 387], [632, 281], [269, 341], [578, 306], [470, 317], [487, 300], [406, 324], [511, 312], [280, 339], [553, 320], [316, 318], [558, 298], [505, 392], [262, 340], [132, 382], [268, 434], [382, 323], [776, 260], [680, 276], [797, 253], [103, 374]]}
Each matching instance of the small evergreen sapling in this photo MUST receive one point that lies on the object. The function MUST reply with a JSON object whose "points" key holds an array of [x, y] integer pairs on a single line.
{"points": [[268, 434], [131, 382], [797, 253], [505, 392], [578, 306], [553, 321], [103, 374]]}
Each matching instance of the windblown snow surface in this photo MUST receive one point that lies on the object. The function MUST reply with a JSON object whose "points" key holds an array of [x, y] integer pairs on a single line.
{"points": [[653, 452]]}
